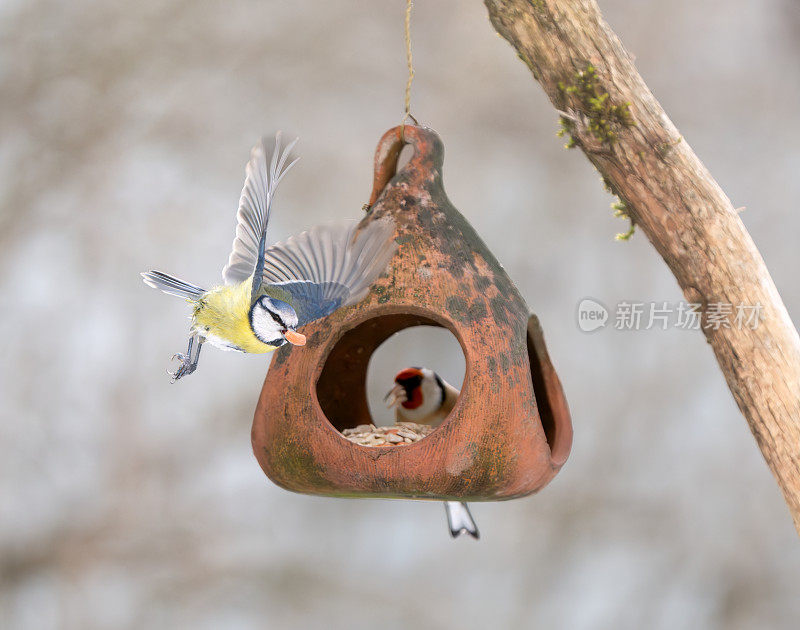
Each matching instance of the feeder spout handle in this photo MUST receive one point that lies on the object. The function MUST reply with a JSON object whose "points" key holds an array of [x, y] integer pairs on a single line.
{"points": [[428, 152]]}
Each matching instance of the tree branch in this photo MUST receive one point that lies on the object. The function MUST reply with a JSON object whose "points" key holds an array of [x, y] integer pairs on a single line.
{"points": [[608, 111]]}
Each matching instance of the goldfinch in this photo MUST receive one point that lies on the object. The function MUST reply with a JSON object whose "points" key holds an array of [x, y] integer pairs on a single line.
{"points": [[420, 395], [270, 292]]}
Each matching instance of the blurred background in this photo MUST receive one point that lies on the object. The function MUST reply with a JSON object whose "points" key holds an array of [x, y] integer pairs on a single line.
{"points": [[127, 502]]}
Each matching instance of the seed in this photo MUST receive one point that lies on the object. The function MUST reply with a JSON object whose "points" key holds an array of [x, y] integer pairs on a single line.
{"points": [[400, 434]]}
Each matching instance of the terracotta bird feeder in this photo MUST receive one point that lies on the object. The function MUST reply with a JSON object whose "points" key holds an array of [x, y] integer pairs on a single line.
{"points": [[509, 432]]}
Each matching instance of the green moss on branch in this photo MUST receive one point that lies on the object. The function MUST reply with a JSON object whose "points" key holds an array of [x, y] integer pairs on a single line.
{"points": [[585, 94]]}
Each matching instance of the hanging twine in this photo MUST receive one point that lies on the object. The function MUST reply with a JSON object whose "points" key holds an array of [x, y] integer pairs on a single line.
{"points": [[407, 115], [410, 62]]}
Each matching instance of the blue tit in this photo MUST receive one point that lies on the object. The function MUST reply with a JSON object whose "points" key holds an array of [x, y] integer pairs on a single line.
{"points": [[420, 395], [270, 292]]}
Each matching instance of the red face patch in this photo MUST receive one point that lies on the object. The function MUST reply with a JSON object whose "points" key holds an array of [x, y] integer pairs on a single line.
{"points": [[415, 400], [407, 374]]}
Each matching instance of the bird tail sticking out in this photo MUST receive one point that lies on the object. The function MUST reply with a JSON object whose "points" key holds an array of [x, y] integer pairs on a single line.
{"points": [[460, 520], [172, 285]]}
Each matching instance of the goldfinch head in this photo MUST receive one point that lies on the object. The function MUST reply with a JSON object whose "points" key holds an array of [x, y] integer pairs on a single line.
{"points": [[274, 322], [419, 391]]}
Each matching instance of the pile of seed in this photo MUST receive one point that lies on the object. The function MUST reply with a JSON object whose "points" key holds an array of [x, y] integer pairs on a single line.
{"points": [[400, 434]]}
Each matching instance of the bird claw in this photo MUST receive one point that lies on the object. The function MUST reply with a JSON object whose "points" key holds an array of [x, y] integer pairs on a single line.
{"points": [[186, 366]]}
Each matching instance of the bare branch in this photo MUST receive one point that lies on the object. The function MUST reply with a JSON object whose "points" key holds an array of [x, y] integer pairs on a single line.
{"points": [[613, 117]]}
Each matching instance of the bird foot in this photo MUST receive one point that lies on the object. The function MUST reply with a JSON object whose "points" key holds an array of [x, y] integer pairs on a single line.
{"points": [[187, 366]]}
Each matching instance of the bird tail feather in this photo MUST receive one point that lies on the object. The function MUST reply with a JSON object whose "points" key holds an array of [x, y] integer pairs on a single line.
{"points": [[172, 286], [460, 520]]}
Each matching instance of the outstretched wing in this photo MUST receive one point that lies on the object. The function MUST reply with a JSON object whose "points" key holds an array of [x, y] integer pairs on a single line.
{"points": [[263, 174], [329, 266]]}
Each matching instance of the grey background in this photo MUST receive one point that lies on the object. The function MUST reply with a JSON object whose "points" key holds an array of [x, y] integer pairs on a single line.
{"points": [[127, 502]]}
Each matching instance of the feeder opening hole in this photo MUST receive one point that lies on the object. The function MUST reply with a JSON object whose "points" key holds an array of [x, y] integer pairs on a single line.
{"points": [[420, 346], [360, 369]]}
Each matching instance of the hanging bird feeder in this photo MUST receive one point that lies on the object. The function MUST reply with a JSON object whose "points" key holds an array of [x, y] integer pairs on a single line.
{"points": [[509, 432]]}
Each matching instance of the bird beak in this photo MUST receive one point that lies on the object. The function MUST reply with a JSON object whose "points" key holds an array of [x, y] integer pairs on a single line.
{"points": [[295, 338], [395, 396]]}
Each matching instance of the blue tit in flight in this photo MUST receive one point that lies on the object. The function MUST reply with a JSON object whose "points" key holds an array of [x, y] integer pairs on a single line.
{"points": [[270, 292], [420, 395]]}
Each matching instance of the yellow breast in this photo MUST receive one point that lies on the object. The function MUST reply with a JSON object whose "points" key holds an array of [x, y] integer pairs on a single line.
{"points": [[223, 317]]}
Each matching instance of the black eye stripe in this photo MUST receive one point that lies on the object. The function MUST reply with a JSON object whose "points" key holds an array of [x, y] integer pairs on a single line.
{"points": [[410, 383], [277, 318]]}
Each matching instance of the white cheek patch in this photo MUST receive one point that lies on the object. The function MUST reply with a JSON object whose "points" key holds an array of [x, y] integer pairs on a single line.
{"points": [[431, 395], [265, 328], [431, 401]]}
